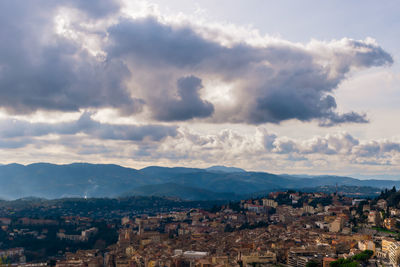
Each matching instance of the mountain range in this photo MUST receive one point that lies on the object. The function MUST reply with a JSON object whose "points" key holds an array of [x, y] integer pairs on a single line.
{"points": [[52, 181]]}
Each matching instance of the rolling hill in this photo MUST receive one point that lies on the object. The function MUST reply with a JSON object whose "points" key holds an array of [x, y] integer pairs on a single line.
{"points": [[106, 180]]}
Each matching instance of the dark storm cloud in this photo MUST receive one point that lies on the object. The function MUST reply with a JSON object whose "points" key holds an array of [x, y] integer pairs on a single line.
{"points": [[188, 106], [279, 81], [151, 43], [298, 87], [18, 128], [304, 104], [41, 70], [148, 42], [333, 118]]}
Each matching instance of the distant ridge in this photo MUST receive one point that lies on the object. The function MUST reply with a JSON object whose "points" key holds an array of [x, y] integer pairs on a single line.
{"points": [[219, 168], [180, 191], [50, 181]]}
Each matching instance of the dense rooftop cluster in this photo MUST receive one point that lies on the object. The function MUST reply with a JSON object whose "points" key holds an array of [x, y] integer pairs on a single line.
{"points": [[289, 228]]}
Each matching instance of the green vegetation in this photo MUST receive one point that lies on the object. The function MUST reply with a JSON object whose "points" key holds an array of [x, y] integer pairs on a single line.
{"points": [[391, 196], [363, 256], [97, 207], [380, 229], [324, 201], [228, 228], [41, 249], [344, 263], [4, 261], [313, 264], [354, 261]]}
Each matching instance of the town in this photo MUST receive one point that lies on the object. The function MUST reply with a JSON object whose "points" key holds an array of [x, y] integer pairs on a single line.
{"points": [[187, 133], [284, 228]]}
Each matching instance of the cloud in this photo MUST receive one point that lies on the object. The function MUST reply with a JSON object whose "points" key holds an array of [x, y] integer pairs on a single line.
{"points": [[15, 143], [342, 145], [169, 72], [268, 151], [92, 141], [95, 8], [230, 146], [275, 82], [188, 106], [377, 149], [11, 129], [41, 70], [332, 144], [88, 55]]}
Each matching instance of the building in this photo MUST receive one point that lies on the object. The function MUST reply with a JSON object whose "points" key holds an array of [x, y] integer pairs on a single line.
{"points": [[5, 221], [386, 243], [90, 258], [382, 204], [125, 220], [269, 203], [30, 221], [394, 212], [327, 261], [299, 257], [15, 254], [83, 237], [357, 201], [366, 245], [12, 252], [394, 253], [308, 209], [389, 223], [366, 207], [337, 225], [374, 218], [255, 208], [194, 254], [258, 259]]}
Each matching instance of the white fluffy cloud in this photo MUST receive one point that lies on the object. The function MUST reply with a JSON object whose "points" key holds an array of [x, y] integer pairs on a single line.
{"points": [[259, 149]]}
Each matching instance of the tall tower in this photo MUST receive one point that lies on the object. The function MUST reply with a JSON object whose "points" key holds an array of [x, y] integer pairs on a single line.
{"points": [[140, 227]]}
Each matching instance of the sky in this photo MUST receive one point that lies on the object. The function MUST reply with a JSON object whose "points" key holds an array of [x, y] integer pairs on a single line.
{"points": [[300, 87]]}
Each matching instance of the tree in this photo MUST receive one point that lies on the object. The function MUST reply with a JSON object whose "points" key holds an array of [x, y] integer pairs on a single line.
{"points": [[353, 261], [344, 263], [228, 228], [4, 261], [363, 256], [313, 263]]}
